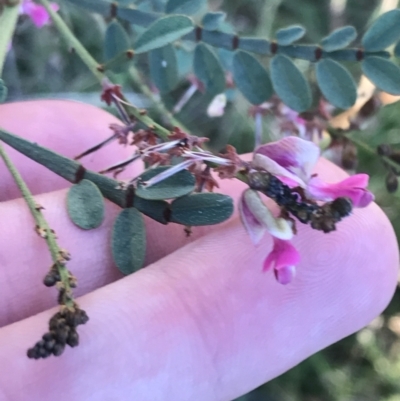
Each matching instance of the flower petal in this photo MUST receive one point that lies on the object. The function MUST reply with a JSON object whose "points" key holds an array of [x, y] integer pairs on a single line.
{"points": [[293, 153], [276, 226], [352, 187], [37, 13], [285, 275], [283, 254], [253, 227], [270, 165]]}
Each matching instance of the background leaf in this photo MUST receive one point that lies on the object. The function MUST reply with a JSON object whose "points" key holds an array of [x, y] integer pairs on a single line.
{"points": [[212, 21], [383, 73], [188, 7], [129, 241], [251, 78], [164, 68], [287, 36], [116, 41], [98, 6], [162, 32], [290, 84], [339, 38], [85, 205], [336, 83], [179, 184], [201, 209], [208, 69], [383, 32]]}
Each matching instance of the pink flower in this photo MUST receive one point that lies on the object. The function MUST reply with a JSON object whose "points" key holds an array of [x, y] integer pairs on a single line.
{"points": [[257, 218], [37, 12], [283, 260], [292, 159]]}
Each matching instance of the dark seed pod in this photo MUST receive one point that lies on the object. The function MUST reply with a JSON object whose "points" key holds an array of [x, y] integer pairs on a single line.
{"points": [[32, 353], [73, 338], [49, 279], [50, 344], [395, 156], [343, 206], [58, 349], [392, 182]]}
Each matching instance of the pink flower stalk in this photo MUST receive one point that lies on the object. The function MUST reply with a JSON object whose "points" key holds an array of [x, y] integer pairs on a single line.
{"points": [[283, 260], [38, 14], [292, 159]]}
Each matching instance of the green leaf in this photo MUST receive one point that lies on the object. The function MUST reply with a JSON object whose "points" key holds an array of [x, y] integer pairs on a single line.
{"points": [[383, 32], [85, 205], [339, 38], [188, 7], [290, 84], [336, 83], [212, 21], [179, 184], [98, 6], [60, 165], [129, 241], [155, 209], [116, 41], [383, 73], [201, 209], [208, 69], [251, 78], [287, 36], [3, 91], [162, 32], [164, 68], [397, 50], [136, 17]]}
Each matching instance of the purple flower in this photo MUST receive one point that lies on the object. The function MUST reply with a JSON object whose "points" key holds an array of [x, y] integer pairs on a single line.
{"points": [[257, 218], [283, 260], [37, 12], [292, 160]]}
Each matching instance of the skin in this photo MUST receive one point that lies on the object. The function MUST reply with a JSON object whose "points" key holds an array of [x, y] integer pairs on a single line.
{"points": [[201, 321]]}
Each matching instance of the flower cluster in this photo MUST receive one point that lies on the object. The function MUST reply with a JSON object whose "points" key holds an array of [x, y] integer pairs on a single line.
{"points": [[286, 166]]}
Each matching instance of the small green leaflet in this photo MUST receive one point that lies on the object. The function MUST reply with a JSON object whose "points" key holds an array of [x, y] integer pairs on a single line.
{"points": [[286, 36], [188, 7], [162, 32], [339, 38]]}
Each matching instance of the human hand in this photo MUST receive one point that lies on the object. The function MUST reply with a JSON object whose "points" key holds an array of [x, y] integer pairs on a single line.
{"points": [[201, 321]]}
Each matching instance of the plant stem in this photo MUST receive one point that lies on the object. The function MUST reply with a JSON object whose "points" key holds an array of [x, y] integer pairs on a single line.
{"points": [[8, 21], [41, 223]]}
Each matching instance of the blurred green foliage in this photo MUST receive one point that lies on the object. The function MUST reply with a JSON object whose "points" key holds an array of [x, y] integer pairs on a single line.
{"points": [[364, 366]]}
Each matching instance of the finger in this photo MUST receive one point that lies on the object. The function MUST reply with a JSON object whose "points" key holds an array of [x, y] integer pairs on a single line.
{"points": [[26, 259], [65, 127], [205, 323]]}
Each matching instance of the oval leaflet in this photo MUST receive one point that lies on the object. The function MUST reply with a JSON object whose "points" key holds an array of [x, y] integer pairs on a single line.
{"points": [[201, 209], [177, 185], [85, 205], [128, 242], [290, 84], [251, 78], [336, 83]]}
